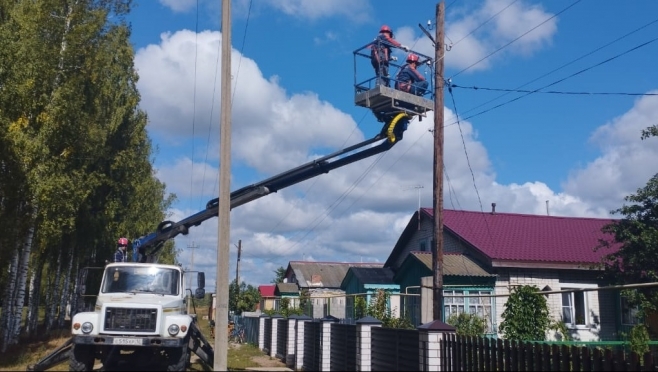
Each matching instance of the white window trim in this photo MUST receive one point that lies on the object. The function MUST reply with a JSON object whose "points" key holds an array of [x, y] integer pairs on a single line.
{"points": [[565, 286]]}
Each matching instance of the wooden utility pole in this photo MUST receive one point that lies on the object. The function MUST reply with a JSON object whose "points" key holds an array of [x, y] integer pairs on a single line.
{"points": [[192, 247], [437, 251], [224, 224], [237, 267]]}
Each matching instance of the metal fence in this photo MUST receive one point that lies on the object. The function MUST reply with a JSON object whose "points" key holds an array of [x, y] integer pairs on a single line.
{"points": [[395, 349], [343, 347], [251, 326], [312, 349]]}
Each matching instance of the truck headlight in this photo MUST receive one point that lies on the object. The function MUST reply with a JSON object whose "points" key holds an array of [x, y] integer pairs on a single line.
{"points": [[173, 329], [87, 327]]}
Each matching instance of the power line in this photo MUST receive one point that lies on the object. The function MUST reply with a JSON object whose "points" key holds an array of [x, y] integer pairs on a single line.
{"points": [[566, 64], [554, 91], [485, 22], [559, 81], [517, 38], [454, 105]]}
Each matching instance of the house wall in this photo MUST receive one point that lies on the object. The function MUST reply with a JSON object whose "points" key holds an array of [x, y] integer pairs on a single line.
{"points": [[450, 244], [327, 302], [600, 306]]}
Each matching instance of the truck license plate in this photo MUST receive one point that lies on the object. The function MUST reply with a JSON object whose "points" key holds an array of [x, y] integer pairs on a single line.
{"points": [[128, 341]]}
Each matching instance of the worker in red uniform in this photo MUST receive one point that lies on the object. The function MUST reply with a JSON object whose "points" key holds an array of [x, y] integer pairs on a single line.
{"points": [[380, 53], [409, 79]]}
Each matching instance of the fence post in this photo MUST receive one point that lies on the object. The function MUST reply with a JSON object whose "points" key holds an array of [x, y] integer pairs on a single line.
{"points": [[274, 339], [325, 343], [261, 331], [433, 344], [292, 341], [299, 348], [364, 342]]}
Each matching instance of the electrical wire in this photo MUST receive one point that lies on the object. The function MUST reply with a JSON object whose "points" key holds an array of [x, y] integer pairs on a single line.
{"points": [[484, 23], [468, 162], [566, 64], [554, 91], [517, 38], [559, 81], [196, 33]]}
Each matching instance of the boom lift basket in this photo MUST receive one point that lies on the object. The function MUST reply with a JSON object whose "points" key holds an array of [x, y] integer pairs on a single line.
{"points": [[385, 102]]}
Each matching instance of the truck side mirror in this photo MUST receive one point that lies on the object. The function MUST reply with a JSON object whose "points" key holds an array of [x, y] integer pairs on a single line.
{"points": [[201, 280], [200, 293]]}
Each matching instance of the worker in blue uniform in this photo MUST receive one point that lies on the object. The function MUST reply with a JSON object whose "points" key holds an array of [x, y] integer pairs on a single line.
{"points": [[409, 79]]}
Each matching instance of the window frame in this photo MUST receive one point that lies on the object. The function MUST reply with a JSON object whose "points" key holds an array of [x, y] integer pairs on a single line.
{"points": [[466, 292], [586, 303], [633, 312]]}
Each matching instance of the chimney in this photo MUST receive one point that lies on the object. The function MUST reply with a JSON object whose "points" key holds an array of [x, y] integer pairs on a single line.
{"points": [[493, 208]]}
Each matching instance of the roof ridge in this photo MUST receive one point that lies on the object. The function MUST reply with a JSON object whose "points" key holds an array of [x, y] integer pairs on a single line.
{"points": [[523, 215]]}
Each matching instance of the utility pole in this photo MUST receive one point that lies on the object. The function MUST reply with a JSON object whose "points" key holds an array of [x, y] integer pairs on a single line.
{"points": [[437, 251], [224, 210], [192, 247]]}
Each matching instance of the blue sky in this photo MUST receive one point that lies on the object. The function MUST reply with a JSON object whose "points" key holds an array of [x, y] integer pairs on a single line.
{"points": [[293, 71]]}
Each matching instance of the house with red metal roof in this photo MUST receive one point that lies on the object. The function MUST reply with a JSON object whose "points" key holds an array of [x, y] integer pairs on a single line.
{"points": [[487, 254], [267, 297]]}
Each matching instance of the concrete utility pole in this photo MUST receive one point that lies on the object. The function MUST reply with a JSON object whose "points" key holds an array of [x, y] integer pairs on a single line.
{"points": [[437, 251], [224, 224]]}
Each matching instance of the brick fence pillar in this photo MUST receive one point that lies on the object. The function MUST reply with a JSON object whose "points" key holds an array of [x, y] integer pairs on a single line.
{"points": [[430, 342], [261, 331], [364, 342], [292, 341], [276, 318], [299, 347], [325, 342]]}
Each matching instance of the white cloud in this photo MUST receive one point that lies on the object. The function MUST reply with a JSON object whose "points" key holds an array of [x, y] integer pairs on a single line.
{"points": [[626, 161], [356, 10], [358, 211], [179, 5], [489, 35]]}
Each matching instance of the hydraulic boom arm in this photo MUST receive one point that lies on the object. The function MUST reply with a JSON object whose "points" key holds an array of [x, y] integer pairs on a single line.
{"points": [[152, 243]]}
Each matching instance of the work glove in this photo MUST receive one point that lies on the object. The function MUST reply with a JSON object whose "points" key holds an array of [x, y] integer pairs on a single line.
{"points": [[406, 48], [394, 58]]}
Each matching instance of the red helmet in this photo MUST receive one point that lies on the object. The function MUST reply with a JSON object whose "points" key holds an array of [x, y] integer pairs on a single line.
{"points": [[385, 28], [122, 241], [412, 58]]}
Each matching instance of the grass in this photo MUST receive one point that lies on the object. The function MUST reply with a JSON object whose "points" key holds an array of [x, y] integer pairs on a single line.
{"points": [[18, 357]]}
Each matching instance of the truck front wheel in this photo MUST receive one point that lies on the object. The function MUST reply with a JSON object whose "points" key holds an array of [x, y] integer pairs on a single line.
{"points": [[178, 358], [82, 358]]}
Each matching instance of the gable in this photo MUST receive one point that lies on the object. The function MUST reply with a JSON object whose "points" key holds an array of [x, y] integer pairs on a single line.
{"points": [[507, 237]]}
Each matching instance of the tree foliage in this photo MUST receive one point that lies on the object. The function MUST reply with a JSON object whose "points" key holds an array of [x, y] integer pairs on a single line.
{"points": [[76, 167], [279, 274], [632, 249], [379, 308], [242, 298], [526, 316]]}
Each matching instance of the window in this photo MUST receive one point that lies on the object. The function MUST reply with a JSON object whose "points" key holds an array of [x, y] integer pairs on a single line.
{"points": [[423, 246], [459, 301], [574, 308], [629, 314]]}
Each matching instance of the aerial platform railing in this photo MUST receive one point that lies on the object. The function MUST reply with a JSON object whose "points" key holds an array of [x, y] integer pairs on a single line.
{"points": [[386, 101]]}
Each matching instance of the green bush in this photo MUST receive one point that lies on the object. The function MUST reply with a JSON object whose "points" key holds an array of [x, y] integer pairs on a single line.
{"points": [[468, 324], [526, 316]]}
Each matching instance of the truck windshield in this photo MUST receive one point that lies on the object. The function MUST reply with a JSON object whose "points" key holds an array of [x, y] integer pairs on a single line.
{"points": [[130, 279]]}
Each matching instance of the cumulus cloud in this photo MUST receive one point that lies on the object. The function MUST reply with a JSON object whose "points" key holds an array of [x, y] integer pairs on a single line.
{"points": [[622, 167], [358, 211], [479, 32], [356, 10]]}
